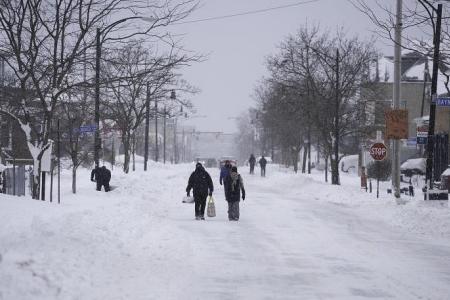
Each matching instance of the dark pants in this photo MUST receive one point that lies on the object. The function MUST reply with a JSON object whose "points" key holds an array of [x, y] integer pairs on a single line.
{"points": [[263, 171], [105, 184], [200, 205], [233, 211], [252, 168]]}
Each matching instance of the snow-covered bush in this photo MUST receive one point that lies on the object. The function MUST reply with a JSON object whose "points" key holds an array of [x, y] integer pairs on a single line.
{"points": [[379, 169]]}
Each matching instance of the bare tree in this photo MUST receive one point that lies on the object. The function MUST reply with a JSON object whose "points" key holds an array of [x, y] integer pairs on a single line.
{"points": [[44, 43], [136, 75], [418, 26], [316, 81]]}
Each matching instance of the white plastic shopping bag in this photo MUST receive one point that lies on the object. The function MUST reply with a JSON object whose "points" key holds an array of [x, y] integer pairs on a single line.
{"points": [[211, 209], [188, 199]]}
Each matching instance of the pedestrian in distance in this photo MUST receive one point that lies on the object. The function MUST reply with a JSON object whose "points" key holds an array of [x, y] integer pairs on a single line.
{"points": [[224, 171], [252, 163], [102, 178], [262, 164], [234, 184], [201, 183]]}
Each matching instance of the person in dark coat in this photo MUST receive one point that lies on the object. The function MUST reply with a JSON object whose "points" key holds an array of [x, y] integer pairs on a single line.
{"points": [[94, 174], [201, 183], [102, 177], [262, 164], [234, 184], [252, 163]]}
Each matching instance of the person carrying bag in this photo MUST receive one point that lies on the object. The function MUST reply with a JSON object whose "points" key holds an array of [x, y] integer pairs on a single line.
{"points": [[233, 187]]}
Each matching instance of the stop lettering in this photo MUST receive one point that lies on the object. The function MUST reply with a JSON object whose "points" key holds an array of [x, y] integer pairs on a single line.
{"points": [[378, 151]]}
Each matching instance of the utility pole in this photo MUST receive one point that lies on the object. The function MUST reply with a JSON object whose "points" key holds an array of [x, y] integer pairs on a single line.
{"points": [[2, 70], [147, 125], [396, 98], [164, 137], [59, 163], [156, 131], [183, 157], [430, 143], [175, 150], [335, 178], [97, 142]]}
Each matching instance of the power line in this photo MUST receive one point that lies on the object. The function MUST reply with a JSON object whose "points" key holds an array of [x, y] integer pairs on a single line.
{"points": [[251, 12]]}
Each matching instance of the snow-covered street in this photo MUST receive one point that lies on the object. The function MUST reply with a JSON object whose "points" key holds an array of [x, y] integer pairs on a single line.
{"points": [[298, 238]]}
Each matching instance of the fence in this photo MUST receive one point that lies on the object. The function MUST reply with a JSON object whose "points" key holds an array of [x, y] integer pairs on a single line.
{"points": [[13, 181]]}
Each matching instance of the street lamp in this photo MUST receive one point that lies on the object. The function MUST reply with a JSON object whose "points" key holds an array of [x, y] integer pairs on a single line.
{"points": [[172, 97]]}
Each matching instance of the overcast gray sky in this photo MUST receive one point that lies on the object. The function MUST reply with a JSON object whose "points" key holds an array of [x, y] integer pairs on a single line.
{"points": [[237, 48]]}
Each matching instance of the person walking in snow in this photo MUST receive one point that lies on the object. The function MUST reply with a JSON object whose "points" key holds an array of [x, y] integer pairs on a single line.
{"points": [[262, 164], [234, 184], [103, 176], [224, 171], [252, 163], [201, 183], [94, 174]]}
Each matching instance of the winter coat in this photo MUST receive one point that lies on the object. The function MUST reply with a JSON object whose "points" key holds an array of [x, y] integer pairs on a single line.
{"points": [[263, 162], [95, 174], [234, 195], [224, 172], [102, 175], [200, 182], [252, 160]]}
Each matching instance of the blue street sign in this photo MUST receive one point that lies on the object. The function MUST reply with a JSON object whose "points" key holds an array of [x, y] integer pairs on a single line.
{"points": [[443, 101], [86, 128], [422, 140]]}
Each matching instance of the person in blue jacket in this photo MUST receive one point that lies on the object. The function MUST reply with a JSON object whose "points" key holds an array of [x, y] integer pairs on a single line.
{"points": [[225, 171]]}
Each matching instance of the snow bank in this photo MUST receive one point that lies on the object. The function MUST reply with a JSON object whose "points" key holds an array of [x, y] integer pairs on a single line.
{"points": [[298, 238]]}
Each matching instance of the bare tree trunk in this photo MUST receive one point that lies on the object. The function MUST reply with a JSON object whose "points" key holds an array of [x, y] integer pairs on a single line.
{"points": [[74, 179], [126, 150], [134, 152], [309, 156], [295, 154], [305, 156], [326, 168]]}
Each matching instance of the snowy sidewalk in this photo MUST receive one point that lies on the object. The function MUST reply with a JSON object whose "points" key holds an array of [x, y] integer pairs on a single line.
{"points": [[297, 238]]}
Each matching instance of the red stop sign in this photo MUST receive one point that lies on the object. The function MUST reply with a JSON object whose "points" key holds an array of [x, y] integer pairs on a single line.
{"points": [[378, 151]]}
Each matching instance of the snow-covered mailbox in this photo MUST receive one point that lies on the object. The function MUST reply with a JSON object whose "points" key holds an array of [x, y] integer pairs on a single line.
{"points": [[441, 190]]}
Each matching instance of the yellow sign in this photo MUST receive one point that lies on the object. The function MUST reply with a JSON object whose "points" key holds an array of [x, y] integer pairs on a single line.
{"points": [[396, 124]]}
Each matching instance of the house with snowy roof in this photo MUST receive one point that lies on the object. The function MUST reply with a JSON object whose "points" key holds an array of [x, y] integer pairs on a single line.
{"points": [[416, 70]]}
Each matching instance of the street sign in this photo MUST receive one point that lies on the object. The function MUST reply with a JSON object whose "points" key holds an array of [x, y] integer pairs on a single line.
{"points": [[422, 134], [378, 151], [443, 101], [86, 128]]}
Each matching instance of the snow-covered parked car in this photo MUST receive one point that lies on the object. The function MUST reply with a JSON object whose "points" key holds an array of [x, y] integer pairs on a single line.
{"points": [[413, 166], [349, 164]]}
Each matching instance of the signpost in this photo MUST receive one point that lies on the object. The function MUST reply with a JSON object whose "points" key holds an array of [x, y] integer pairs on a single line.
{"points": [[378, 152]]}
